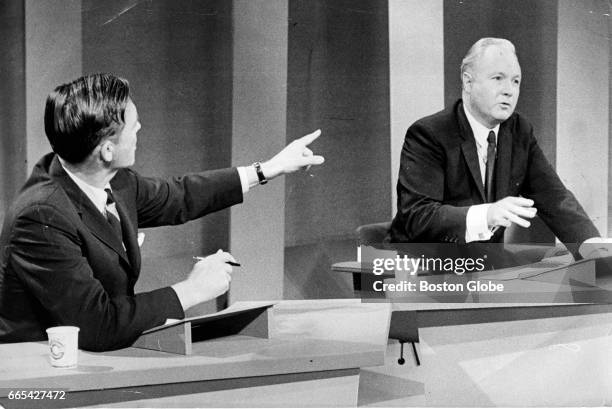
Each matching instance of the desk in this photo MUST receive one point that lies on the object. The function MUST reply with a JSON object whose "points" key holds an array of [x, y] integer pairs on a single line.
{"points": [[312, 359], [497, 354], [546, 362]]}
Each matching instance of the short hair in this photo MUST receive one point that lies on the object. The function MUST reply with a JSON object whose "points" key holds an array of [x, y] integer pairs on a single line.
{"points": [[82, 113], [479, 48]]}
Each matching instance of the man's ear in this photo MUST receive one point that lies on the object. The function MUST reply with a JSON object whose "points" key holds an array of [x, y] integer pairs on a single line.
{"points": [[107, 151], [467, 81]]}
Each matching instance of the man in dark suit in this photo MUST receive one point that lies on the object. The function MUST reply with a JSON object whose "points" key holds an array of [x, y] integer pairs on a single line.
{"points": [[68, 249], [473, 169]]}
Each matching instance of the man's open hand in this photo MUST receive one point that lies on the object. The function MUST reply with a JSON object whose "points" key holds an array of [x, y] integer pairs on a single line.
{"points": [[510, 210]]}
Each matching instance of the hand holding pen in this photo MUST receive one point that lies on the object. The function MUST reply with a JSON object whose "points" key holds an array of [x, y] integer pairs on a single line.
{"points": [[231, 263], [209, 278]]}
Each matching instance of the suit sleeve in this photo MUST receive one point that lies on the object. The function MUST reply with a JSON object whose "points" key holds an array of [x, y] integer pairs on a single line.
{"points": [[46, 255], [178, 200], [420, 191], [556, 205]]}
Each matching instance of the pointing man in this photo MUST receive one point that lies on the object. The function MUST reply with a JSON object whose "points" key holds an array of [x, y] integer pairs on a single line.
{"points": [[68, 250]]}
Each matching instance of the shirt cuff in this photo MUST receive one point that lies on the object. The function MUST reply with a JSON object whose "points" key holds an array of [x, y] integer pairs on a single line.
{"points": [[476, 226], [244, 178]]}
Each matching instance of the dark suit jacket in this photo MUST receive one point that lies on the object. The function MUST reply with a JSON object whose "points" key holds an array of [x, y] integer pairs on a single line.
{"points": [[439, 179], [61, 264]]}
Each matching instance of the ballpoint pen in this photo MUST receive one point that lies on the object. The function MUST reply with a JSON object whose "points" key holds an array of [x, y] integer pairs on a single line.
{"points": [[231, 263]]}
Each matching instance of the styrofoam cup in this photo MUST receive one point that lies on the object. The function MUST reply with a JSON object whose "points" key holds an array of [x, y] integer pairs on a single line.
{"points": [[63, 346]]}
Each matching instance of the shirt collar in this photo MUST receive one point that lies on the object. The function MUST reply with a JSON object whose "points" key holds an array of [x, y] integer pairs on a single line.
{"points": [[95, 194], [481, 132]]}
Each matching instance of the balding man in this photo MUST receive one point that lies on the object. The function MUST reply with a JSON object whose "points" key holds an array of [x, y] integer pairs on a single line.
{"points": [[475, 168]]}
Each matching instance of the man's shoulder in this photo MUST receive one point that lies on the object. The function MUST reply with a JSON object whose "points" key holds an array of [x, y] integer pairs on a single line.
{"points": [[518, 125], [40, 194], [441, 126], [44, 204], [442, 120]]}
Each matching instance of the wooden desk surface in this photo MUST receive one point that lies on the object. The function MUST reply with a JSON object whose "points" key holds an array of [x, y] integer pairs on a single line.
{"points": [[308, 336]]}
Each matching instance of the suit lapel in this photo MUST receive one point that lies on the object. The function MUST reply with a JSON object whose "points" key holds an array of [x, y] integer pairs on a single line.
{"points": [[503, 162], [468, 148], [130, 234], [99, 227], [90, 215]]}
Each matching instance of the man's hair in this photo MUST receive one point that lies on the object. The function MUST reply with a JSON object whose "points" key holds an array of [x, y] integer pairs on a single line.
{"points": [[479, 48], [82, 113]]}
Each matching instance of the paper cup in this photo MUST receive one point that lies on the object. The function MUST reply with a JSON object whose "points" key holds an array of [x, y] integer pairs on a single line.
{"points": [[63, 346]]}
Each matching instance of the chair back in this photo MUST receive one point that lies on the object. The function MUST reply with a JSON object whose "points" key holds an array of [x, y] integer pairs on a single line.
{"points": [[373, 233]]}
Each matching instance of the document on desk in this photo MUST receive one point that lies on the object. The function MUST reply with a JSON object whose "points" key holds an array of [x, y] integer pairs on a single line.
{"points": [[237, 308]]}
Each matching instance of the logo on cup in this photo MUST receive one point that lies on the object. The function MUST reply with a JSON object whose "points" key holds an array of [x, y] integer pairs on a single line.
{"points": [[57, 349]]}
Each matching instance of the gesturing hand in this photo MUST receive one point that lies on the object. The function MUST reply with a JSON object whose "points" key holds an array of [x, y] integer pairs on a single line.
{"points": [[293, 157], [510, 210]]}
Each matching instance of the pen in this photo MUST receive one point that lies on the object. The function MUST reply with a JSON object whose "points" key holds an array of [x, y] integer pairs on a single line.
{"points": [[231, 263]]}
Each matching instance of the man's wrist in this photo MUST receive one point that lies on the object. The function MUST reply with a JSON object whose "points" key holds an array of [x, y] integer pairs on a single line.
{"points": [[249, 174], [184, 294], [270, 170], [261, 178], [476, 226]]}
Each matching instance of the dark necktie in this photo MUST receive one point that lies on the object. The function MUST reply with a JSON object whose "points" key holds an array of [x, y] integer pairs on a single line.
{"points": [[111, 214], [490, 166]]}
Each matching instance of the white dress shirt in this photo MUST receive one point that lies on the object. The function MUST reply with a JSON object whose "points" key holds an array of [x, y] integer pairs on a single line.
{"points": [[476, 226], [95, 194]]}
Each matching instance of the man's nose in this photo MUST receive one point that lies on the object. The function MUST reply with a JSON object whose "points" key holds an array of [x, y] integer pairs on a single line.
{"points": [[508, 88]]}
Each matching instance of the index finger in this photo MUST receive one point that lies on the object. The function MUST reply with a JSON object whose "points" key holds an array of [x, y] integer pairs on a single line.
{"points": [[308, 139], [225, 256]]}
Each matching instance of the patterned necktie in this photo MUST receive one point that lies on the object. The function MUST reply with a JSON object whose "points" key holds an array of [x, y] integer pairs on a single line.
{"points": [[111, 214], [491, 149]]}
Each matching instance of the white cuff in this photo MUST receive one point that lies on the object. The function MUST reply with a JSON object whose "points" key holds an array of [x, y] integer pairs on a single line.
{"points": [[476, 226], [244, 178]]}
